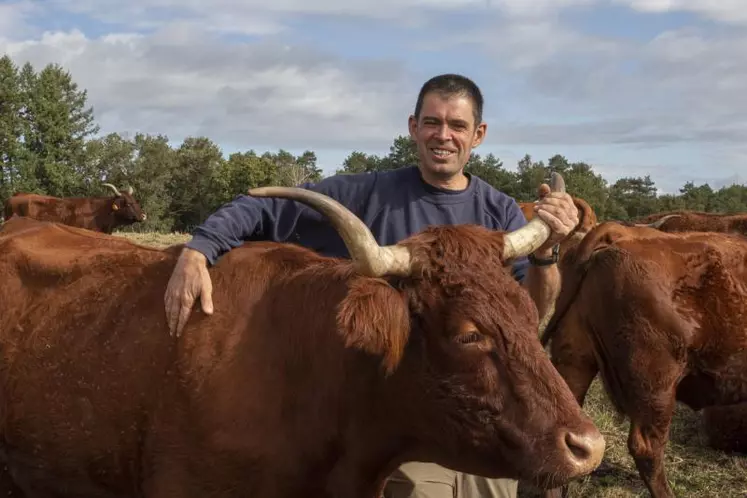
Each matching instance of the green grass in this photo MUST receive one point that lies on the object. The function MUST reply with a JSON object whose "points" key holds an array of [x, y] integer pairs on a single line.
{"points": [[693, 470]]}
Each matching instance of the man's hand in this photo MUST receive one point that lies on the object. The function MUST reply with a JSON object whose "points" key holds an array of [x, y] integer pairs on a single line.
{"points": [[189, 281], [559, 212]]}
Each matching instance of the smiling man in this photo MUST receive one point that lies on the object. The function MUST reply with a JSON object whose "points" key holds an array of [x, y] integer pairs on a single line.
{"points": [[446, 125]]}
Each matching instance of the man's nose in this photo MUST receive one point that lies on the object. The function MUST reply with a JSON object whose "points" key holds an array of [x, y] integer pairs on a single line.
{"points": [[443, 132]]}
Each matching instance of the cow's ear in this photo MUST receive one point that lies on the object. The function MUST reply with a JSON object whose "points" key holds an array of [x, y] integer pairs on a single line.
{"points": [[114, 206], [374, 317]]}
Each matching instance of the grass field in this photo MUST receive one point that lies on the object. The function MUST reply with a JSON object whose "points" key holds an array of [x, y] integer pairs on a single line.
{"points": [[692, 469]]}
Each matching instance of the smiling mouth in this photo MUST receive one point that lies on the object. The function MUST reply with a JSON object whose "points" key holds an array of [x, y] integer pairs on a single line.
{"points": [[442, 153]]}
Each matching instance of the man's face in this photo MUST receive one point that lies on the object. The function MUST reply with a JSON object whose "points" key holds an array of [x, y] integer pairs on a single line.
{"points": [[445, 133]]}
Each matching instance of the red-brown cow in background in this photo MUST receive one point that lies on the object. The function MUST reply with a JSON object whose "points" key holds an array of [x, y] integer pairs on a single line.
{"points": [[725, 426], [99, 214], [696, 221], [662, 318]]}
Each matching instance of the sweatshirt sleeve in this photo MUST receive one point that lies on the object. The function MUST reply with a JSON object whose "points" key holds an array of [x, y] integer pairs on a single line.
{"points": [[273, 219]]}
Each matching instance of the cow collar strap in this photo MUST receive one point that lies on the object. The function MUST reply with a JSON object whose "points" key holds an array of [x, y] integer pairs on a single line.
{"points": [[546, 261]]}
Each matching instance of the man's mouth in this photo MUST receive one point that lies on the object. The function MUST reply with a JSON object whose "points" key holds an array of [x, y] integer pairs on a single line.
{"points": [[438, 152]]}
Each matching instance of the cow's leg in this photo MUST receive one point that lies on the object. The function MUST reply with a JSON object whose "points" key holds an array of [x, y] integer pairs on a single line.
{"points": [[573, 357], [648, 386], [646, 443]]}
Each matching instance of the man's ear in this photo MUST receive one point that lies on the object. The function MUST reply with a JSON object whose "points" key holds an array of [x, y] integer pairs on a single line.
{"points": [[412, 126], [374, 318]]}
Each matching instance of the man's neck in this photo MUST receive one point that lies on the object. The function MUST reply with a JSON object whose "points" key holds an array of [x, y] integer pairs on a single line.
{"points": [[458, 181]]}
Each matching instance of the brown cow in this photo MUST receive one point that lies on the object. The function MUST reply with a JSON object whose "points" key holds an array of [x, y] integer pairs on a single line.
{"points": [[725, 426], [315, 376], [696, 221], [100, 214], [662, 318]]}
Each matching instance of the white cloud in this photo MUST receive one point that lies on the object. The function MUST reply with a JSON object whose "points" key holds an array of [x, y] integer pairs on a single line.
{"points": [[729, 11], [260, 16], [179, 82], [14, 18], [683, 85], [167, 66]]}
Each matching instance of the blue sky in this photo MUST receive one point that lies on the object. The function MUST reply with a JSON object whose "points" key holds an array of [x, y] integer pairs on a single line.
{"points": [[633, 87]]}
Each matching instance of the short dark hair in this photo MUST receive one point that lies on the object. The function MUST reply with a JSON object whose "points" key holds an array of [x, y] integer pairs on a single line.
{"points": [[448, 85]]}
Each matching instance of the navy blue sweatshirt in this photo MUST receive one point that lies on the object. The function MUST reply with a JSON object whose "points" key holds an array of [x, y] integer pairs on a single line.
{"points": [[393, 204]]}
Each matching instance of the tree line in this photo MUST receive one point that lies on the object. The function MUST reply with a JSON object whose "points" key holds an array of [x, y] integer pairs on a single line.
{"points": [[49, 145]]}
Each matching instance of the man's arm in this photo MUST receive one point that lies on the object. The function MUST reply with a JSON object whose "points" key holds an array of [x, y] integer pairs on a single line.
{"points": [[248, 218], [265, 218]]}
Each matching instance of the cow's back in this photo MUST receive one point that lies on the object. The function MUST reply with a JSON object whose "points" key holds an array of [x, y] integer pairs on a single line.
{"points": [[83, 342], [698, 221], [37, 206]]}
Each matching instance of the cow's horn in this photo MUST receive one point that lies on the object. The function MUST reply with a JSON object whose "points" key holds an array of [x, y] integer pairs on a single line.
{"points": [[369, 257], [658, 223], [130, 190], [531, 236], [116, 192]]}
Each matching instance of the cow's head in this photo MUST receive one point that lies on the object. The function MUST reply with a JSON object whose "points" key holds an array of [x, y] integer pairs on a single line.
{"points": [[125, 207], [469, 381]]}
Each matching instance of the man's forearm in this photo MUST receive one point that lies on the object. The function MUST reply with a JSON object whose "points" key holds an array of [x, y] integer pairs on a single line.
{"points": [[543, 285], [228, 227]]}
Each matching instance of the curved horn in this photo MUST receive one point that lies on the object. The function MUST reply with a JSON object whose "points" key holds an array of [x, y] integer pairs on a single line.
{"points": [[658, 223], [531, 236], [369, 257], [130, 190], [116, 192]]}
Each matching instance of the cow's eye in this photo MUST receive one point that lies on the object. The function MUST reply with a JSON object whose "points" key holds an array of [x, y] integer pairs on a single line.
{"points": [[469, 338]]}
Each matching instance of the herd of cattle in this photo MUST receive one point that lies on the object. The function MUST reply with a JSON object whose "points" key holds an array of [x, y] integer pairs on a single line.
{"points": [[318, 377]]}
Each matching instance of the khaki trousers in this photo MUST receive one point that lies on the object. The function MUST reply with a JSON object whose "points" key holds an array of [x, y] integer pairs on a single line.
{"points": [[428, 480]]}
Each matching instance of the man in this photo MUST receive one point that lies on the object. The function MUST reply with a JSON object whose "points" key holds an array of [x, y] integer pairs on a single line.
{"points": [[446, 125]]}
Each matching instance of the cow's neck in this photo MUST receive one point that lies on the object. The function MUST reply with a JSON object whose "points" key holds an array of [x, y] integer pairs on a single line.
{"points": [[373, 443], [98, 213], [365, 474]]}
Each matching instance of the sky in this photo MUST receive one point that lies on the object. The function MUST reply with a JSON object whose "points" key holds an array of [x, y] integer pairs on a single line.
{"points": [[632, 87]]}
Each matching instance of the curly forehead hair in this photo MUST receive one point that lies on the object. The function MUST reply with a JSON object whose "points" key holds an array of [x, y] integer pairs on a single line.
{"points": [[449, 85]]}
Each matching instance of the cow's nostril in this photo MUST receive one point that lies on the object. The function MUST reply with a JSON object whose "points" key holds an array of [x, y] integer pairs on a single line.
{"points": [[579, 446], [585, 449]]}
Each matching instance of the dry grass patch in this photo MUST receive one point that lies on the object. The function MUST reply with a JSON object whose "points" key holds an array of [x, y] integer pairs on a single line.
{"points": [[155, 239]]}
